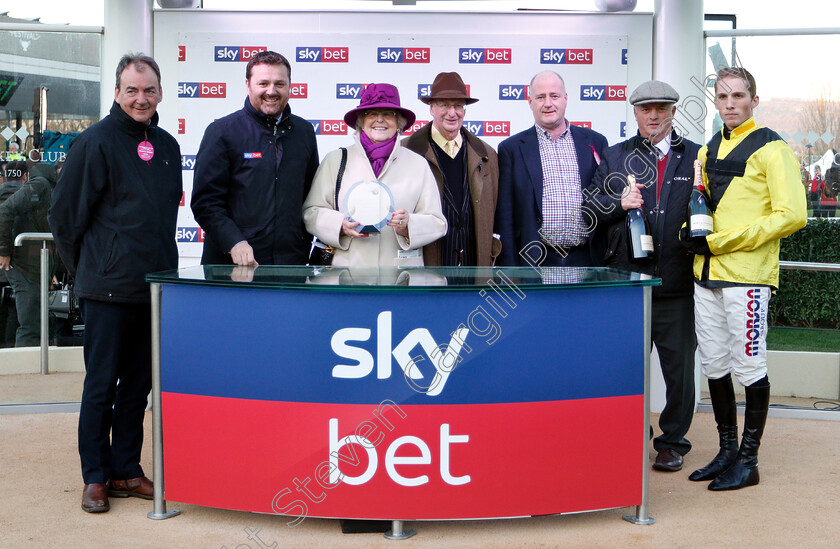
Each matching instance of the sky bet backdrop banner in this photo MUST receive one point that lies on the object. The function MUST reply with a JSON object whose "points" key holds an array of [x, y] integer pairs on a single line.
{"points": [[411, 405], [329, 72]]}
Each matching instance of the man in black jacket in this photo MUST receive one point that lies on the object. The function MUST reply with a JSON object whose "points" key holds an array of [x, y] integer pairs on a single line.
{"points": [[12, 177], [253, 170], [113, 216], [662, 163], [26, 212]]}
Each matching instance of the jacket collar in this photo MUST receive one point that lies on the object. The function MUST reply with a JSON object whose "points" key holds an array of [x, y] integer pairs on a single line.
{"points": [[643, 143], [266, 120], [748, 125], [130, 125]]}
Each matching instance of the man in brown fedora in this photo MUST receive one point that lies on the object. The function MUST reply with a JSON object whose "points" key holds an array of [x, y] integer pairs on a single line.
{"points": [[467, 173]]}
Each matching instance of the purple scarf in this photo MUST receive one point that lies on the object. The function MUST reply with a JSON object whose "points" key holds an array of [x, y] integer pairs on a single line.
{"points": [[377, 153]]}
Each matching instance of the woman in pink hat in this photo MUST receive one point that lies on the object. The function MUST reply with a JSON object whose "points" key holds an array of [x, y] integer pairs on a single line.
{"points": [[388, 204]]}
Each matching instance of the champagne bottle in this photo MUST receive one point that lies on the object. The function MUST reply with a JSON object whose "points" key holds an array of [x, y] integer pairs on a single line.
{"points": [[637, 230], [700, 222]]}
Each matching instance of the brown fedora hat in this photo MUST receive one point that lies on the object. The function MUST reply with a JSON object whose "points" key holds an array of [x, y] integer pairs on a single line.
{"points": [[448, 85]]}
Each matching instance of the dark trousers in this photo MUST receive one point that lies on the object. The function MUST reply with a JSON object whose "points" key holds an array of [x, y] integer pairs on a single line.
{"points": [[118, 378], [672, 331], [8, 313], [570, 257], [28, 304]]}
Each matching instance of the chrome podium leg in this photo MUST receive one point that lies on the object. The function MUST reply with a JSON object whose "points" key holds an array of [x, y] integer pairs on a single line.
{"points": [[45, 310], [160, 511], [397, 531], [641, 516]]}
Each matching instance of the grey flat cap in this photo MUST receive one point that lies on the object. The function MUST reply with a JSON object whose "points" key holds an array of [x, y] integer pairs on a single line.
{"points": [[654, 91]]}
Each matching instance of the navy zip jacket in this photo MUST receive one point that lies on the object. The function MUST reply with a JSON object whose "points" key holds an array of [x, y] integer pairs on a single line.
{"points": [[252, 174], [671, 262], [113, 214]]}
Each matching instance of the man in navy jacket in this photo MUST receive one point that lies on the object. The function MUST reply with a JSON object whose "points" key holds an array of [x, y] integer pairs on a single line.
{"points": [[542, 173], [253, 170], [113, 216], [662, 163]]}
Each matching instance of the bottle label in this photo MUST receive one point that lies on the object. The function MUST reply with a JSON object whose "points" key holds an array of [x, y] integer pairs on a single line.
{"points": [[647, 242], [701, 222]]}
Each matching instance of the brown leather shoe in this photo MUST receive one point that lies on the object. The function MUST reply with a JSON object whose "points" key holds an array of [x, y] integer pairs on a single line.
{"points": [[140, 487], [95, 498], [669, 460]]}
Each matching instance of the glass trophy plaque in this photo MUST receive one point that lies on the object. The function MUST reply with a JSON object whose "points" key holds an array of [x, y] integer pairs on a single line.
{"points": [[369, 203]]}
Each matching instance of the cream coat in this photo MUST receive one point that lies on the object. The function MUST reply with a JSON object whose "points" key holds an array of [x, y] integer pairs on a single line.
{"points": [[413, 186]]}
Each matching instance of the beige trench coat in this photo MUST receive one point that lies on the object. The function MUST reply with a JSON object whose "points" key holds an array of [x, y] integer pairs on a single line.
{"points": [[408, 177]]}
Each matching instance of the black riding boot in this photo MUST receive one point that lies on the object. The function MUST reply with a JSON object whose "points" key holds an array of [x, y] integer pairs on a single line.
{"points": [[726, 416], [744, 472]]}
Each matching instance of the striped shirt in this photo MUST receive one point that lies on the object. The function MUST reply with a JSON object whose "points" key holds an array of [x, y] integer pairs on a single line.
{"points": [[562, 198]]}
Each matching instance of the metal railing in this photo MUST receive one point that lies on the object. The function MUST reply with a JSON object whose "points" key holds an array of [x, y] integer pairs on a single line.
{"points": [[45, 292], [806, 266]]}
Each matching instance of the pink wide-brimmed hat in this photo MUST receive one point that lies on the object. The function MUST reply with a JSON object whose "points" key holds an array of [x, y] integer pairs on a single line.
{"points": [[380, 96]]}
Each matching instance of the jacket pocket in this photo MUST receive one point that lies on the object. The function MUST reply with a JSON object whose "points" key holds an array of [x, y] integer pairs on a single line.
{"points": [[614, 238], [110, 255]]}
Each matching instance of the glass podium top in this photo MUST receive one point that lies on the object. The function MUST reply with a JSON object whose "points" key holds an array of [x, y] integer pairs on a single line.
{"points": [[384, 279]]}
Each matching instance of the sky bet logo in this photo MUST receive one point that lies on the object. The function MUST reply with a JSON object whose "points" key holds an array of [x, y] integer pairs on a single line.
{"points": [[189, 234], [332, 54], [488, 128], [425, 90], [329, 127], [484, 55], [416, 126], [349, 91], [603, 93], [444, 357], [403, 55], [299, 91], [236, 53], [188, 162], [554, 56], [201, 89], [513, 92]]}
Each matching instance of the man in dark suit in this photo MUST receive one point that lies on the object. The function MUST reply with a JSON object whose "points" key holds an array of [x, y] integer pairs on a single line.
{"points": [[542, 173], [467, 174]]}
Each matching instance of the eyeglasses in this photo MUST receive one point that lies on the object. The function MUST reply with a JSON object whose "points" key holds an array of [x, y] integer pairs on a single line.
{"points": [[383, 114], [459, 107]]}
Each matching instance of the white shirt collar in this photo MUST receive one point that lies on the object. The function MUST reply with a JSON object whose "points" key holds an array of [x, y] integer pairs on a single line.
{"points": [[664, 146]]}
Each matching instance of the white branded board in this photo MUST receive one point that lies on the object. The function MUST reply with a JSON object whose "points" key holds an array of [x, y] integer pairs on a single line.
{"points": [[203, 55]]}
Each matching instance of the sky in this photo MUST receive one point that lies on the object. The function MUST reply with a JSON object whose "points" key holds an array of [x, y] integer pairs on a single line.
{"points": [[762, 55]]}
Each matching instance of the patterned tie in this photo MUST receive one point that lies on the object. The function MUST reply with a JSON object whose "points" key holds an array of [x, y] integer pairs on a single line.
{"points": [[450, 148]]}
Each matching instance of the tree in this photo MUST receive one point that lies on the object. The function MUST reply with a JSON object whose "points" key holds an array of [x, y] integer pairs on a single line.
{"points": [[822, 114]]}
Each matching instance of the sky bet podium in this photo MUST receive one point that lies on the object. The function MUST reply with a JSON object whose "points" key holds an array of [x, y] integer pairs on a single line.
{"points": [[401, 394]]}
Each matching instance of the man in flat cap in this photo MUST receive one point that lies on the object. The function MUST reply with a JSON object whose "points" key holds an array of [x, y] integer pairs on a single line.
{"points": [[467, 174], [662, 163]]}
